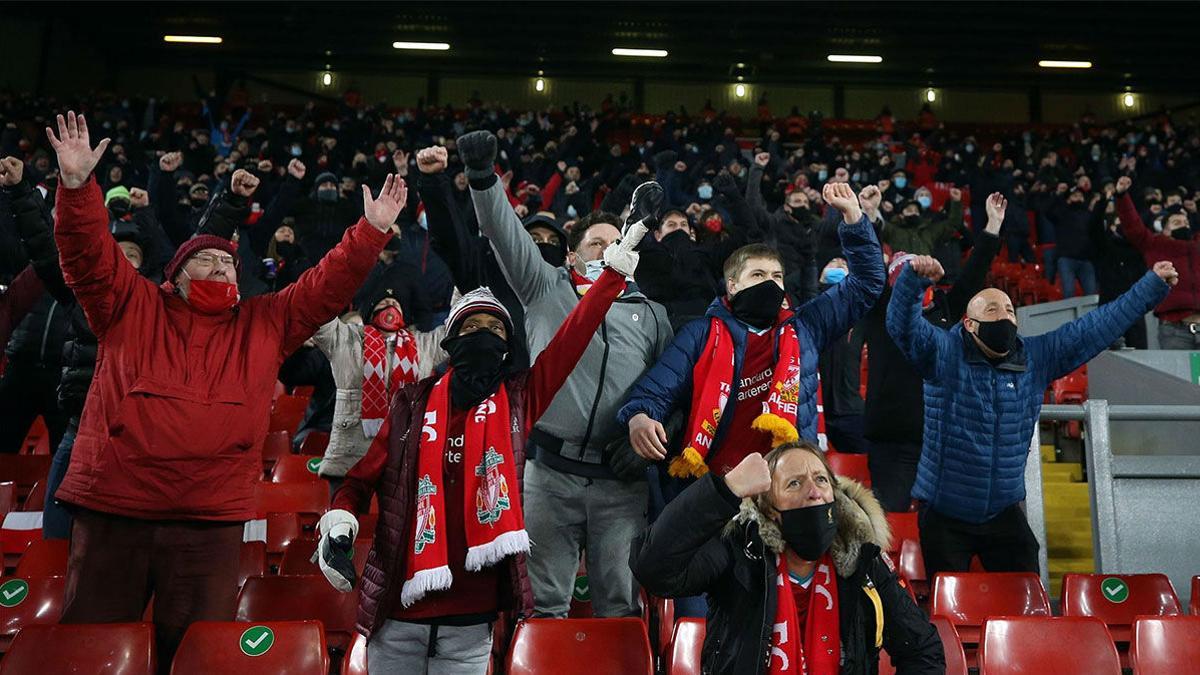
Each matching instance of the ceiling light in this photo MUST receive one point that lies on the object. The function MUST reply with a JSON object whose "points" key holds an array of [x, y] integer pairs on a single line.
{"points": [[740, 91], [656, 53], [1128, 100], [1064, 64], [930, 95], [539, 84], [854, 58], [326, 79], [427, 46], [193, 39]]}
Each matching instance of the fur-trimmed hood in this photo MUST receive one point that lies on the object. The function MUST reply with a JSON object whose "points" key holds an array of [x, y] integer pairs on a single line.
{"points": [[860, 520]]}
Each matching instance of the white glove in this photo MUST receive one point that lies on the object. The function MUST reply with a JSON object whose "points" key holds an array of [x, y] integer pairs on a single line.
{"points": [[620, 255], [337, 530]]}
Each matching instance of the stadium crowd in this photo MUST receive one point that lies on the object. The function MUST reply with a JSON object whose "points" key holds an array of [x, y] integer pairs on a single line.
{"points": [[540, 335]]}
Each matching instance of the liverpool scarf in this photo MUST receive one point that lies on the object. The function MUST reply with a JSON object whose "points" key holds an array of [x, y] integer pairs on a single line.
{"points": [[494, 524], [389, 362], [712, 384], [814, 648]]}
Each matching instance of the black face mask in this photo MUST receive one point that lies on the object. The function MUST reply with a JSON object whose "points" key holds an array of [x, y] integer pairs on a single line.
{"points": [[552, 253], [809, 530], [285, 249], [677, 239], [198, 202], [799, 212], [998, 336], [911, 221], [1182, 233], [119, 208], [478, 362], [758, 305]]}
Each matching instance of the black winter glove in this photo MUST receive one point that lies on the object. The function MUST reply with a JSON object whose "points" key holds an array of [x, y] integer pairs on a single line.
{"points": [[478, 152], [624, 462]]}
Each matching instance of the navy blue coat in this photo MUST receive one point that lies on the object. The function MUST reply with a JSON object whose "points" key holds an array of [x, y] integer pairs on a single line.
{"points": [[817, 322], [979, 417]]}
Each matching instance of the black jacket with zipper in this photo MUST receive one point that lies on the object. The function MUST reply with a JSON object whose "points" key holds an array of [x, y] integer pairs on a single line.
{"points": [[703, 543]]}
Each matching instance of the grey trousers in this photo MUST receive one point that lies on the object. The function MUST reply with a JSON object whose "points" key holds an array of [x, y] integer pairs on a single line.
{"points": [[1175, 336], [565, 514], [399, 647]]}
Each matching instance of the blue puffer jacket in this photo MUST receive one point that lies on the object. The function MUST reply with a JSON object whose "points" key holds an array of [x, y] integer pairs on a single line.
{"points": [[817, 322], [980, 418]]}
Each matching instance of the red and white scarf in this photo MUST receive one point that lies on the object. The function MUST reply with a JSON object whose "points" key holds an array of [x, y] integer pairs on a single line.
{"points": [[384, 371], [816, 647], [494, 524], [712, 385], [582, 283]]}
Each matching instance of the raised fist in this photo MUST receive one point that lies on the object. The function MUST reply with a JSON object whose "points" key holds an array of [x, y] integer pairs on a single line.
{"points": [[927, 266], [762, 159], [955, 195], [842, 198], [869, 198], [139, 198], [478, 152], [751, 477], [400, 161], [1123, 184], [1165, 270], [264, 166], [296, 169], [170, 161], [432, 160], [243, 183], [11, 170]]}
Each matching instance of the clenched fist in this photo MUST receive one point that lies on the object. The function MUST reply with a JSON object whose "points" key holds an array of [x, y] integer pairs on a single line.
{"points": [[170, 161], [11, 170], [869, 198], [1165, 270], [432, 160], [139, 198], [1123, 184], [842, 198], [243, 183], [296, 169], [927, 266], [762, 159], [750, 477]]}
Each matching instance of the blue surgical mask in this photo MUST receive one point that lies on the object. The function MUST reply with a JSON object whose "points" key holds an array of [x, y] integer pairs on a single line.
{"points": [[1095, 152], [571, 211], [704, 191], [822, 174], [593, 270], [835, 275], [297, 151], [901, 182], [969, 148], [856, 177], [925, 201], [423, 220]]}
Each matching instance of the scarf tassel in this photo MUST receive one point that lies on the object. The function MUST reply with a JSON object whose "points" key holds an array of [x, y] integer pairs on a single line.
{"points": [[780, 429], [486, 555], [423, 582], [689, 463]]}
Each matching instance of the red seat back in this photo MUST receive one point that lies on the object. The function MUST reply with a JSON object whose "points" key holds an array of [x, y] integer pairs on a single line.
{"points": [[297, 557], [8, 497], [580, 647], [966, 599], [36, 499], [295, 647], [28, 602], [687, 642], [904, 526], [44, 558], [103, 649], [355, 661], [276, 445], [664, 608], [1116, 599], [282, 528], [1063, 645], [315, 443], [24, 470], [288, 413], [850, 466], [252, 561], [1194, 603], [300, 598], [912, 561], [308, 498], [1165, 645], [956, 657], [296, 469]]}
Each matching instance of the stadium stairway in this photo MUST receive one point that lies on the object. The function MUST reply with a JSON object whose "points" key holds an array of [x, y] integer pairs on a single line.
{"points": [[1068, 519]]}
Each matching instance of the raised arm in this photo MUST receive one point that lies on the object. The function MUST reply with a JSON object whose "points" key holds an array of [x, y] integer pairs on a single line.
{"points": [[1132, 227], [321, 292], [92, 263], [974, 273], [921, 343], [449, 235], [35, 230], [529, 275]]}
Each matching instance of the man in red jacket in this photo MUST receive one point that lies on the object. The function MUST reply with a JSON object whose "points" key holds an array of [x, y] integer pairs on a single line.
{"points": [[1178, 315], [167, 455]]}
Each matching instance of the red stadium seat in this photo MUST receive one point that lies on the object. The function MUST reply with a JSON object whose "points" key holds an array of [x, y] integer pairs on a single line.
{"points": [[355, 661], [304, 498], [664, 609], [1062, 645], [276, 445], [300, 598], [298, 555], [687, 641], [24, 470], [44, 558], [293, 647], [1116, 599], [288, 413], [904, 526], [1194, 603], [282, 528], [580, 647], [850, 466], [8, 497], [14, 543], [36, 499], [1165, 645], [102, 649], [315, 443], [296, 469], [966, 599], [911, 566], [28, 602], [956, 658], [252, 561]]}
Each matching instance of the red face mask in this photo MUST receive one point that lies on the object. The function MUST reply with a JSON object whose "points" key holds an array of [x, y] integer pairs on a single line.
{"points": [[389, 319], [212, 297]]}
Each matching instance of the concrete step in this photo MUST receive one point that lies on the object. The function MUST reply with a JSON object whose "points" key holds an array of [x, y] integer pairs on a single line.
{"points": [[1061, 472], [1059, 511], [1064, 565], [1067, 494], [1047, 453]]}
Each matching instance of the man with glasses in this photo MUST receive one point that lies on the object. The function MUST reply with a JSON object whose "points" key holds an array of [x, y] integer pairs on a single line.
{"points": [[167, 454]]}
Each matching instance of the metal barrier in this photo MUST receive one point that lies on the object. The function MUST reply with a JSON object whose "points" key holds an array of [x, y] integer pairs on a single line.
{"points": [[1145, 510]]}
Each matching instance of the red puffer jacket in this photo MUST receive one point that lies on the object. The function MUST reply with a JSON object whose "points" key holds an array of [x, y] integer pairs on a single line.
{"points": [[1184, 298], [178, 410]]}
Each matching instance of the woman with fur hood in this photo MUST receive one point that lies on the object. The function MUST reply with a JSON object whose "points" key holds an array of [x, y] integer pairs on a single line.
{"points": [[790, 558]]}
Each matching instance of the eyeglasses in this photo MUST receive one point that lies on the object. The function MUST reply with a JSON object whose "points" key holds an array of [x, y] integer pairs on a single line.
{"points": [[211, 260]]}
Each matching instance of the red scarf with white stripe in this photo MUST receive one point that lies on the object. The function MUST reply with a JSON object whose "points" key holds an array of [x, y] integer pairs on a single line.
{"points": [[384, 371], [816, 647], [712, 385], [494, 523]]}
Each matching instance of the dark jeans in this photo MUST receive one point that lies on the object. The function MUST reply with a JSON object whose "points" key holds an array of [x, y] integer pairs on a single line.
{"points": [[1019, 248], [56, 520], [117, 563], [846, 433], [1070, 269], [893, 468], [1004, 544]]}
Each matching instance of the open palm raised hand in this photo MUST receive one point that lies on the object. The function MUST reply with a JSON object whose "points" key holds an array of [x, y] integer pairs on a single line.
{"points": [[76, 158], [382, 211]]}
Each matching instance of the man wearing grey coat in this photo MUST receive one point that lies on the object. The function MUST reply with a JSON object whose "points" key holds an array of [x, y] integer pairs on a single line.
{"points": [[573, 499]]}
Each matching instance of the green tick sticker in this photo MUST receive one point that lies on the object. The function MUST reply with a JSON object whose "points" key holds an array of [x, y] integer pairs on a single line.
{"points": [[13, 592], [257, 640], [582, 591], [314, 464], [1115, 590]]}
